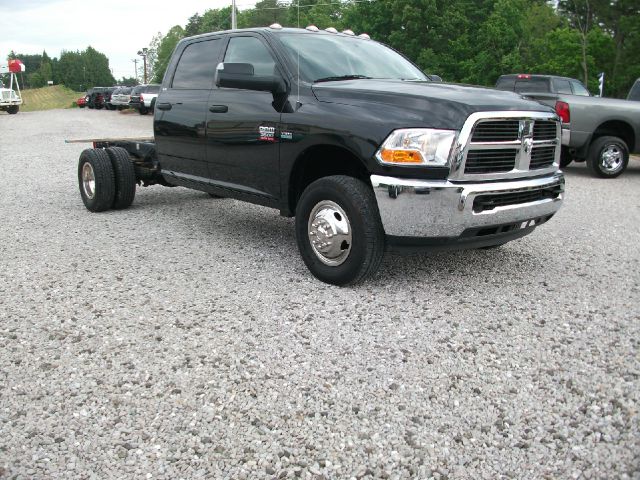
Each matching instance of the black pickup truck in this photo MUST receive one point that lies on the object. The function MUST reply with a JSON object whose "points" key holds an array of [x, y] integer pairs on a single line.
{"points": [[346, 135]]}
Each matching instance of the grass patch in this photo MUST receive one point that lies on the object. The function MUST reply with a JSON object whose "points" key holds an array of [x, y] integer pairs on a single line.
{"points": [[48, 98]]}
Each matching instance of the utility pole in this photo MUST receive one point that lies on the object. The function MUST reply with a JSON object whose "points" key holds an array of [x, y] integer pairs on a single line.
{"points": [[135, 63], [143, 54], [234, 20]]}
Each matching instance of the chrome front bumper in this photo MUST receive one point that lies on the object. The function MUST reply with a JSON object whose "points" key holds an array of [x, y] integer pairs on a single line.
{"points": [[440, 208]]}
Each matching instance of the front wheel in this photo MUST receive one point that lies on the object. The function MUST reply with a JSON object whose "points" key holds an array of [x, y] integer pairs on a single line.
{"points": [[608, 157], [338, 230], [13, 109]]}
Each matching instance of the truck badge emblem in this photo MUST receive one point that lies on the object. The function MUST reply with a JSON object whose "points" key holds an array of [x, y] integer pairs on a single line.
{"points": [[267, 134]]}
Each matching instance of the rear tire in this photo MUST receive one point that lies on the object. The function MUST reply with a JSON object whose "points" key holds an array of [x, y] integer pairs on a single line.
{"points": [[96, 180], [608, 157], [125, 177], [13, 109], [143, 111], [340, 214]]}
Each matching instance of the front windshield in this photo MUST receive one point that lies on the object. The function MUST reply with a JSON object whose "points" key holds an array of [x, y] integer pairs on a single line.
{"points": [[325, 56]]}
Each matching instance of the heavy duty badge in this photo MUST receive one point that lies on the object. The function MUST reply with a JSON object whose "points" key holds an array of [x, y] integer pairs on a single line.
{"points": [[267, 134]]}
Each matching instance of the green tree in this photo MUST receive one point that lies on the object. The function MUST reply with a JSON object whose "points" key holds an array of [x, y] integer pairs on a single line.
{"points": [[128, 81], [215, 20], [82, 70], [165, 48], [265, 13], [471, 41]]}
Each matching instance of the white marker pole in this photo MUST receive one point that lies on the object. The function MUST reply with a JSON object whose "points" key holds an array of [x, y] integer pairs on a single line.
{"points": [[234, 21]]}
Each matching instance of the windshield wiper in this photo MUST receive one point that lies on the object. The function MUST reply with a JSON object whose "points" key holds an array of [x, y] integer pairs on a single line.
{"points": [[341, 77]]}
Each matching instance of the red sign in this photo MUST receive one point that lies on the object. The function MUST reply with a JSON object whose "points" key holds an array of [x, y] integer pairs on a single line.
{"points": [[16, 66]]}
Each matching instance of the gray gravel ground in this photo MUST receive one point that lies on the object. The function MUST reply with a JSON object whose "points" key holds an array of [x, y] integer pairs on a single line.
{"points": [[184, 338]]}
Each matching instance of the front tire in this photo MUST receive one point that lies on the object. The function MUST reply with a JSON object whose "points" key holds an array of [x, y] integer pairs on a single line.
{"points": [[125, 177], [96, 180], [608, 157], [13, 109], [565, 157], [338, 230]]}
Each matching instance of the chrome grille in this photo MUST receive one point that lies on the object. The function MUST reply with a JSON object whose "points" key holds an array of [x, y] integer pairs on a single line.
{"points": [[496, 131], [498, 145], [544, 130], [491, 160], [542, 157], [493, 200]]}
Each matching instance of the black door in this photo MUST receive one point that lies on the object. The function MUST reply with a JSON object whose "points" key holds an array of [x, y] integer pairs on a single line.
{"points": [[242, 127], [181, 111]]}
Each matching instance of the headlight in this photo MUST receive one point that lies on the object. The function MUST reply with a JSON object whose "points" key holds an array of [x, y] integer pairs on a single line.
{"points": [[417, 146]]}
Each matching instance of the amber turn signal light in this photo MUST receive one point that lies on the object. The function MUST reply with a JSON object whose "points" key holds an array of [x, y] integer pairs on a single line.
{"points": [[401, 156]]}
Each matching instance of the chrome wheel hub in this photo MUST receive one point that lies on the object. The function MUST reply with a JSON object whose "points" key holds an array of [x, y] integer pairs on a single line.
{"points": [[329, 233], [88, 180], [611, 158]]}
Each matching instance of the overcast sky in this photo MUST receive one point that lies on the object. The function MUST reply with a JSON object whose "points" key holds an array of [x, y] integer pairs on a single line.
{"points": [[117, 28]]}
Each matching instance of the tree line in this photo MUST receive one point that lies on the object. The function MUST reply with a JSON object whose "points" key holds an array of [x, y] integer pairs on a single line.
{"points": [[467, 41], [78, 70]]}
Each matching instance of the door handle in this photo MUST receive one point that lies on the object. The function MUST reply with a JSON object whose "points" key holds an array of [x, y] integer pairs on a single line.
{"points": [[163, 106], [218, 109]]}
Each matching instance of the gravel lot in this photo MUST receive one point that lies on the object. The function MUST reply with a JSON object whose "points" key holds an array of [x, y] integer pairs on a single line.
{"points": [[184, 337]]}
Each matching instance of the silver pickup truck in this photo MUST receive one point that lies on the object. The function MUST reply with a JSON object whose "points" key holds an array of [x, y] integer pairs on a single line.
{"points": [[602, 131]]}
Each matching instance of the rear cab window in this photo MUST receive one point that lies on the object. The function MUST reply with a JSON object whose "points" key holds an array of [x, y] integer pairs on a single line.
{"points": [[533, 84]]}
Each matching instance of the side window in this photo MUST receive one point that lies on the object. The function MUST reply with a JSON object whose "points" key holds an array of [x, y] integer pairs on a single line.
{"points": [[578, 89], [634, 93], [251, 50], [197, 66], [562, 86]]}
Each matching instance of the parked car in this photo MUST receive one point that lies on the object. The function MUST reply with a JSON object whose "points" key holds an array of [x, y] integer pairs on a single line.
{"points": [[121, 97], [95, 97], [602, 131], [108, 91], [634, 93], [10, 101], [82, 101], [143, 98]]}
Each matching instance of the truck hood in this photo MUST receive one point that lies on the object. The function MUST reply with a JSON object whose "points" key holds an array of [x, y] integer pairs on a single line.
{"points": [[429, 104]]}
